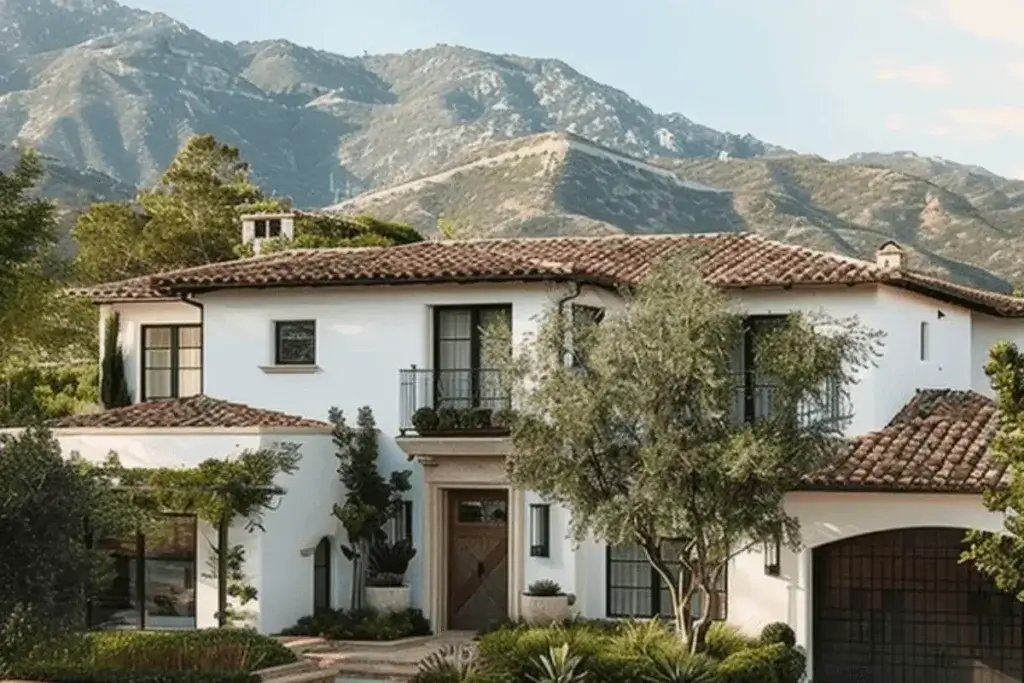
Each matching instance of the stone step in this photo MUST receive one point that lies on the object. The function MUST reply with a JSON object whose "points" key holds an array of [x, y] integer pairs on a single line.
{"points": [[376, 670], [276, 672]]}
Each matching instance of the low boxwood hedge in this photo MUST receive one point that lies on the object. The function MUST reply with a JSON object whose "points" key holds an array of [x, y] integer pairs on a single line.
{"points": [[362, 624], [220, 649], [67, 673]]}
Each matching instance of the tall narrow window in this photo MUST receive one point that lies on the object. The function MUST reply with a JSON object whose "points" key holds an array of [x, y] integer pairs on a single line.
{"points": [[322, 576], [584, 318], [466, 367], [259, 228], [172, 361], [924, 340]]}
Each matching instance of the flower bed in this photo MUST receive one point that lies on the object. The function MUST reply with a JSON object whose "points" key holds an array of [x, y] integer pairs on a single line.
{"points": [[617, 652], [362, 624], [202, 656]]}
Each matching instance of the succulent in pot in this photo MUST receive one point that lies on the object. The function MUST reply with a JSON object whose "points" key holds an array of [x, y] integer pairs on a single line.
{"points": [[385, 585], [544, 603]]}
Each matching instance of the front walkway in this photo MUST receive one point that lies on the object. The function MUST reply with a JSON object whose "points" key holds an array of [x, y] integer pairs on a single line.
{"points": [[372, 659]]}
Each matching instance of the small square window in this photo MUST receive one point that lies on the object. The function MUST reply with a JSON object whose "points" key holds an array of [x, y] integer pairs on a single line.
{"points": [[274, 227], [295, 342]]}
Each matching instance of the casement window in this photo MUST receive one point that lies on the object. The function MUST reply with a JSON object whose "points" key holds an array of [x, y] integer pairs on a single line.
{"points": [[153, 579], [172, 361], [636, 590], [295, 342], [399, 527], [266, 227], [466, 369]]}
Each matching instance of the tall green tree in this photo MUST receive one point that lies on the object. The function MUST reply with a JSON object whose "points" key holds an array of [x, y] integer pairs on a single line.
{"points": [[47, 502], [189, 218], [114, 392], [370, 499], [1001, 554], [639, 440]]}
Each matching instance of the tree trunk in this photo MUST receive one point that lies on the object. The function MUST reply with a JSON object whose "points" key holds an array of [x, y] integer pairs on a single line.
{"points": [[222, 570]]}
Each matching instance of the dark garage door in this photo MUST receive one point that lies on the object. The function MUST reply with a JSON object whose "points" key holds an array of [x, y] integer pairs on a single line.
{"points": [[898, 607]]}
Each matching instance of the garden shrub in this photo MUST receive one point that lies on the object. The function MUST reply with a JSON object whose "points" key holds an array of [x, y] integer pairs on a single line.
{"points": [[66, 673], [362, 624], [756, 665], [724, 640], [778, 632], [206, 649]]}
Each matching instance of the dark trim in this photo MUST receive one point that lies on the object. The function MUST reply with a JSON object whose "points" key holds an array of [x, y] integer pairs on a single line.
{"points": [[407, 514], [752, 325], [326, 568], [278, 324], [540, 524], [174, 349], [655, 588]]}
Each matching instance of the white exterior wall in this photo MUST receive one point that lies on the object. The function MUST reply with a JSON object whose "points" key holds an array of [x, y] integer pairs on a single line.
{"points": [[274, 561], [986, 331]]}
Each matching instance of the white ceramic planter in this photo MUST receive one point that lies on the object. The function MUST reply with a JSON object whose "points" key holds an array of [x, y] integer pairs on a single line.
{"points": [[388, 599], [540, 610]]}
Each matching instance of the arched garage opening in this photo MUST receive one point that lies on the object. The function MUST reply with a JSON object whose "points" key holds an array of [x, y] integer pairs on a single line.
{"points": [[898, 607]]}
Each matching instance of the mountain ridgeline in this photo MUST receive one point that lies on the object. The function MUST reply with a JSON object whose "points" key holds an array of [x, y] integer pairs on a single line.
{"points": [[497, 144]]}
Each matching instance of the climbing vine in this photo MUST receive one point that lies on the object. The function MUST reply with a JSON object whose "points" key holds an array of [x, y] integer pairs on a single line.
{"points": [[219, 492]]}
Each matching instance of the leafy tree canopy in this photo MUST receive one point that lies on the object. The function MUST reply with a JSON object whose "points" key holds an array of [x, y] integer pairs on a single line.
{"points": [[1001, 555], [640, 440], [190, 218]]}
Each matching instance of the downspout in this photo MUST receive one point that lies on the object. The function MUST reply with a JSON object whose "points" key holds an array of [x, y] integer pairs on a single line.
{"points": [[187, 299]]}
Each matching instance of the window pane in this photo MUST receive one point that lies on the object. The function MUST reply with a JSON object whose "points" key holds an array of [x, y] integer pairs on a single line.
{"points": [[190, 383], [158, 384], [191, 336], [296, 342], [274, 228], [157, 337], [170, 566], [455, 323], [158, 358], [190, 358], [117, 607]]}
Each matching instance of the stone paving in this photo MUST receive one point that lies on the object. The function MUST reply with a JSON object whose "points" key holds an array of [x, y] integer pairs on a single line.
{"points": [[356, 661]]}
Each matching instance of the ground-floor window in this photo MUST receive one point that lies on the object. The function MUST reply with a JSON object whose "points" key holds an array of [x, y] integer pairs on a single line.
{"points": [[153, 578], [635, 589], [322, 576]]}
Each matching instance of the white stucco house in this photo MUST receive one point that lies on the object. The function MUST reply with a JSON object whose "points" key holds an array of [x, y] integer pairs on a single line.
{"points": [[246, 353]]}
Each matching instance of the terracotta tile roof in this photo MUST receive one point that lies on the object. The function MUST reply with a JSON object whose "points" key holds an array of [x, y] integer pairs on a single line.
{"points": [[135, 289], [726, 259], [938, 442], [194, 411]]}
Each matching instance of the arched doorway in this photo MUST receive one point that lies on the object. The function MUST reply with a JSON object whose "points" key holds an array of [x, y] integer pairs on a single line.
{"points": [[322, 576], [898, 607]]}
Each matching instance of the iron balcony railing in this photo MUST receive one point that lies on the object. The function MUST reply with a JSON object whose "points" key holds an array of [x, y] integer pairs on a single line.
{"points": [[472, 401], [464, 401]]}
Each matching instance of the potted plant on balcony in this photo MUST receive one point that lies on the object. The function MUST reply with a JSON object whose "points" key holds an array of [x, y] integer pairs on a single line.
{"points": [[385, 584], [544, 603], [449, 421]]}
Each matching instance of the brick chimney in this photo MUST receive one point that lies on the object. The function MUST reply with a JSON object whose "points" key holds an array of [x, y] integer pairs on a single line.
{"points": [[890, 256]]}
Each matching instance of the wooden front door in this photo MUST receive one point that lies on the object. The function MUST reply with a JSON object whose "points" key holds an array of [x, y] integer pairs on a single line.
{"points": [[477, 559]]}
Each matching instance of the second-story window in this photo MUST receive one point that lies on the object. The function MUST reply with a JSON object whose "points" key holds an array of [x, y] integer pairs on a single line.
{"points": [[753, 388], [266, 227], [295, 342], [583, 317], [465, 366], [172, 361]]}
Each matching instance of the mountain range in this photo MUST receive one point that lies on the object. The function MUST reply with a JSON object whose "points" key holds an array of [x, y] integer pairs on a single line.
{"points": [[500, 143]]}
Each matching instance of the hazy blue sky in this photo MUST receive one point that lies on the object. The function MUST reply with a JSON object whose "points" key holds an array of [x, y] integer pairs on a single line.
{"points": [[943, 77]]}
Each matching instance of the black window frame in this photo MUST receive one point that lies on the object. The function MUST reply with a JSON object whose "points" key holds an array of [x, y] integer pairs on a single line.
{"points": [[278, 326], [475, 343], [323, 559], [140, 573], [657, 585], [260, 227], [753, 326], [399, 527], [175, 367], [273, 227]]}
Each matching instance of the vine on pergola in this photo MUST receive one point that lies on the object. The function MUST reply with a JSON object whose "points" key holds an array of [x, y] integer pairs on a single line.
{"points": [[217, 491]]}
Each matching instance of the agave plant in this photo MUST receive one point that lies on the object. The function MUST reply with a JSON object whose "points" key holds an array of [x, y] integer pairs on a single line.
{"points": [[559, 666], [682, 667], [391, 558], [451, 663]]}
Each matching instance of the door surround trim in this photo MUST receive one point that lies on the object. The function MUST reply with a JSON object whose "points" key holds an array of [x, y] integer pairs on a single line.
{"points": [[446, 474]]}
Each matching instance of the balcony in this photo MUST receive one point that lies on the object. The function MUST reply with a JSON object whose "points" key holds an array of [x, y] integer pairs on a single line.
{"points": [[453, 403], [753, 401]]}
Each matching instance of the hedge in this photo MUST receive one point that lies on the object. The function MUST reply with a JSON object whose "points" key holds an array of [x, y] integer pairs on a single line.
{"points": [[57, 673]]}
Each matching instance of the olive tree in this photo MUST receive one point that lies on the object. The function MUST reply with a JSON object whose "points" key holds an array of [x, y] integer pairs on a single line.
{"points": [[635, 429]]}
